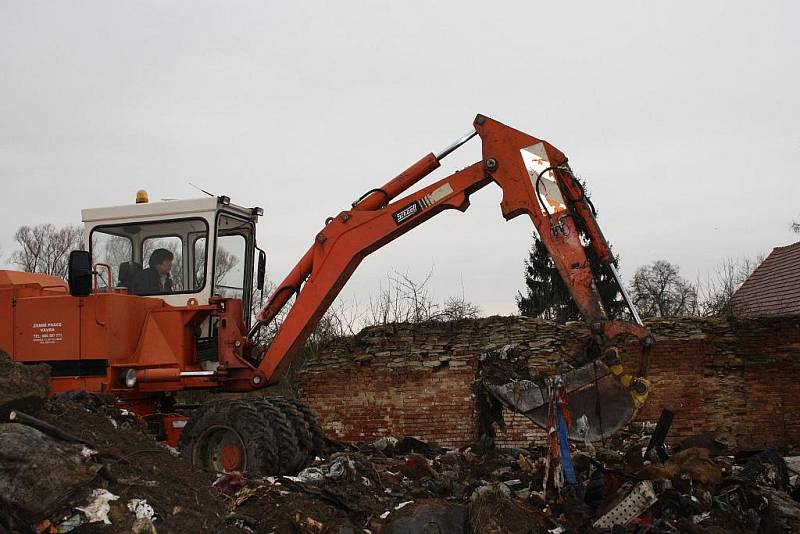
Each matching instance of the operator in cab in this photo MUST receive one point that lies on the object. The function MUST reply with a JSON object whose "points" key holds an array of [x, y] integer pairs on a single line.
{"points": [[156, 278]]}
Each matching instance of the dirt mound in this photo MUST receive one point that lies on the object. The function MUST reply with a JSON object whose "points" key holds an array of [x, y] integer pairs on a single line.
{"points": [[132, 466], [492, 511], [432, 515], [22, 387], [27, 454]]}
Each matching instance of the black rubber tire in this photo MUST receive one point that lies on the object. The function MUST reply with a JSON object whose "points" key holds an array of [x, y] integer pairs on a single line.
{"points": [[243, 418], [305, 444], [317, 435], [288, 453]]}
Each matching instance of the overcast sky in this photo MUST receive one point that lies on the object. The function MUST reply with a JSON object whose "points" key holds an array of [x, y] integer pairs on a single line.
{"points": [[681, 116]]}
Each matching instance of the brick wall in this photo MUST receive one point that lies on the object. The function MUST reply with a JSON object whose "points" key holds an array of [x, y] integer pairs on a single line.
{"points": [[738, 378]]}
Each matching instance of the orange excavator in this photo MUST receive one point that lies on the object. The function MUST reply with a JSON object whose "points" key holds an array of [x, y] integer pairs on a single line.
{"points": [[192, 328]]}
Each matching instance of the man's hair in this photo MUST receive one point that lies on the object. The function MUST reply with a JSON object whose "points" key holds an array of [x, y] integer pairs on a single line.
{"points": [[159, 255]]}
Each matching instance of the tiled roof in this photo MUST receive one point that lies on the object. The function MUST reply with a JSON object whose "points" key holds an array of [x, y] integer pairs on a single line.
{"points": [[774, 287]]}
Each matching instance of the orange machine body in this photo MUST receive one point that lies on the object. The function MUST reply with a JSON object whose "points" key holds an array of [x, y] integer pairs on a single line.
{"points": [[90, 341]]}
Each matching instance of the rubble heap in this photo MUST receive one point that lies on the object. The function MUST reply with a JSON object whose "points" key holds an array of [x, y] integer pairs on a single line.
{"points": [[108, 475], [129, 483], [78, 463]]}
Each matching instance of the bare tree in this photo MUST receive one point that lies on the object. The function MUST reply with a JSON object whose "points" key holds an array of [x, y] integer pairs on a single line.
{"points": [[457, 308], [795, 227], [44, 248], [338, 321], [658, 290], [383, 307], [111, 249], [416, 302], [406, 300], [266, 334], [717, 295], [224, 263]]}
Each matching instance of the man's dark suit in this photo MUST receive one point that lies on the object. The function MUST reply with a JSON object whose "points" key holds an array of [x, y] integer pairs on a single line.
{"points": [[148, 282]]}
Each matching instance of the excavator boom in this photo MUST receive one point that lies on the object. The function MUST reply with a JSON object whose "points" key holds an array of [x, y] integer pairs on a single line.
{"points": [[536, 181]]}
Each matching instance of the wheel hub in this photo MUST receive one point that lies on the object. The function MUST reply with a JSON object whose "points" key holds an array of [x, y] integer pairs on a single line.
{"points": [[231, 457], [221, 449]]}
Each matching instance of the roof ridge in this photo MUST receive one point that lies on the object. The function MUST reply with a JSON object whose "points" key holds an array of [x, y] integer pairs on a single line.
{"points": [[785, 246]]}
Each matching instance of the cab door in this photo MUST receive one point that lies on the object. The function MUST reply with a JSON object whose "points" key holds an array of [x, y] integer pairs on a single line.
{"points": [[233, 261]]}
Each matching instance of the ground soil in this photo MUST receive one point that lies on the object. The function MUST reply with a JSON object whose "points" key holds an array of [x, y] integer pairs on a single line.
{"points": [[137, 467], [22, 387]]}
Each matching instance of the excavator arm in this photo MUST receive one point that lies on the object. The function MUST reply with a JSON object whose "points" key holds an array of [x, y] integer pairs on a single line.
{"points": [[536, 181]]}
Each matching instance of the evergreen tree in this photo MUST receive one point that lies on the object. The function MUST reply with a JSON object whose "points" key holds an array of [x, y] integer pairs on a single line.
{"points": [[547, 296]]}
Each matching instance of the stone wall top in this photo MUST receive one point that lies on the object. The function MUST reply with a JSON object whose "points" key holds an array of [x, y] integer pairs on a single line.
{"points": [[442, 345]]}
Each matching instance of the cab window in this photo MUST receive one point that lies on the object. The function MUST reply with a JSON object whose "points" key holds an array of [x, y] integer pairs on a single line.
{"points": [[113, 250], [153, 258], [233, 265], [229, 266]]}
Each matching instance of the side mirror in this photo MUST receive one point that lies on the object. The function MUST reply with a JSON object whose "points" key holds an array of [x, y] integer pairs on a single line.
{"points": [[262, 269], [79, 273]]}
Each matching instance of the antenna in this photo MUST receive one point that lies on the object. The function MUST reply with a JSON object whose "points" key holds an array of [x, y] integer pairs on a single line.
{"points": [[201, 189]]}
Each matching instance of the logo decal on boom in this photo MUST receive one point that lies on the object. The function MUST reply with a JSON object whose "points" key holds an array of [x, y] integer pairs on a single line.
{"points": [[406, 213]]}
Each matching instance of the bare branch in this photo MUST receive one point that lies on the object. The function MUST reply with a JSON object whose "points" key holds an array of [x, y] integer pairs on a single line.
{"points": [[722, 285], [44, 248], [658, 290]]}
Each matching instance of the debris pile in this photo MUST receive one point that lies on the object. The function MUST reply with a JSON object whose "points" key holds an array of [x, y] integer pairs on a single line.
{"points": [[78, 463], [389, 486], [81, 464]]}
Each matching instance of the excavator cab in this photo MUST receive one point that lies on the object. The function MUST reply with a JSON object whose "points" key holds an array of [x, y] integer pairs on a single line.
{"points": [[210, 247]]}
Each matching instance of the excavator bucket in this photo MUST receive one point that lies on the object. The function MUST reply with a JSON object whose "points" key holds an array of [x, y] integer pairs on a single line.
{"points": [[598, 401]]}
